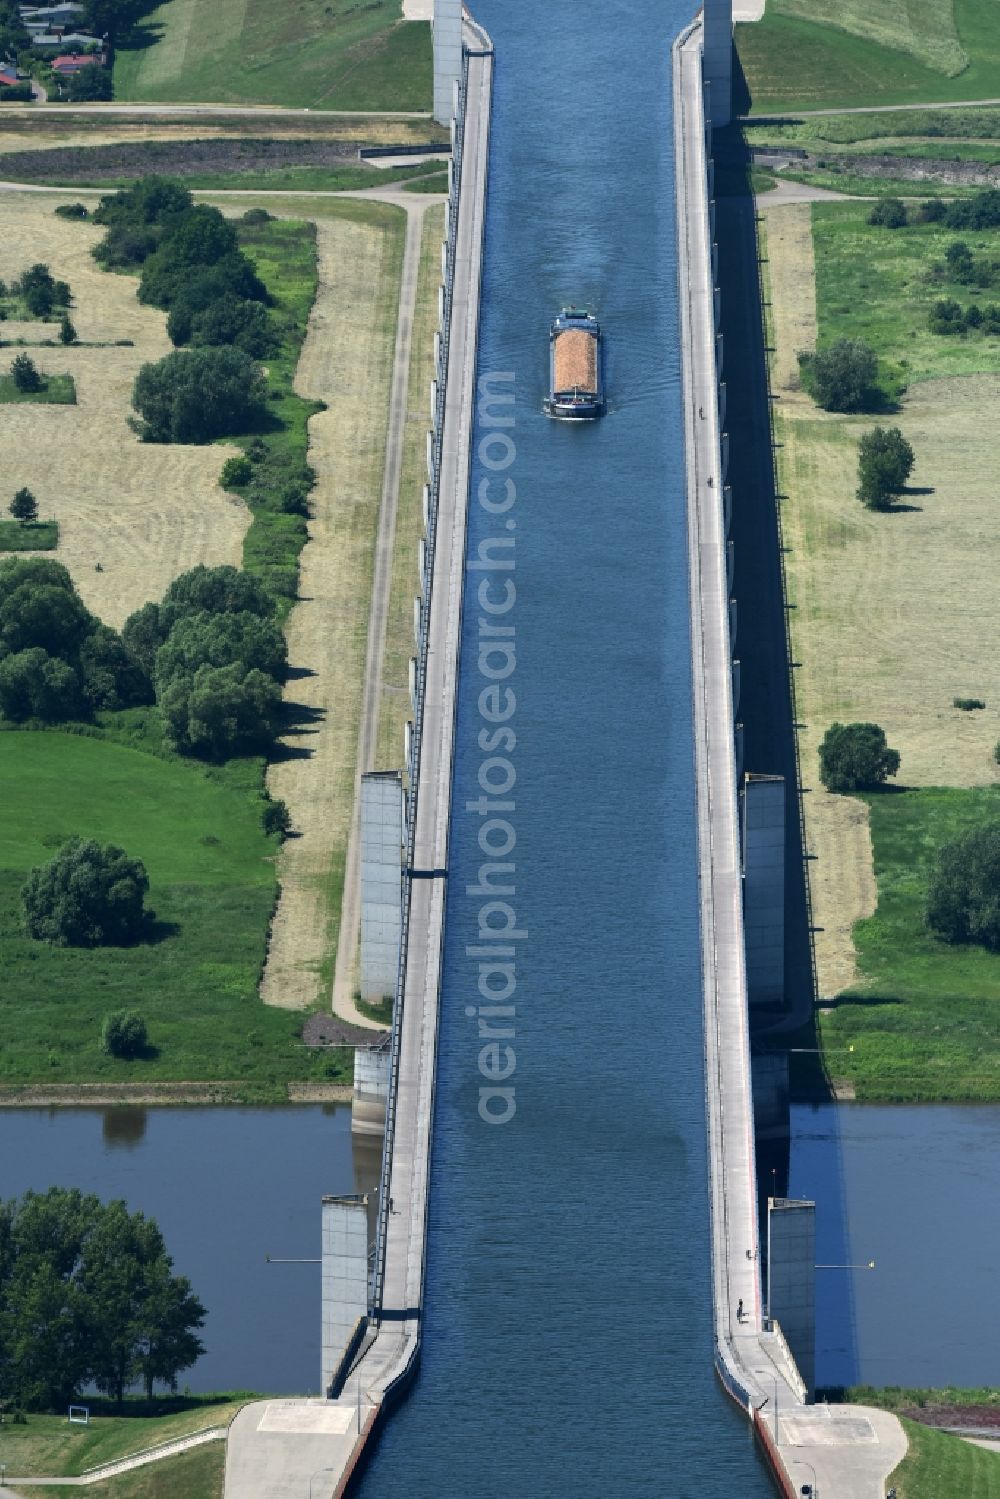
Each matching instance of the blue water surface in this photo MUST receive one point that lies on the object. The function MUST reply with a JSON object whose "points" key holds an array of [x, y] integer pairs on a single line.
{"points": [[568, 1345]]}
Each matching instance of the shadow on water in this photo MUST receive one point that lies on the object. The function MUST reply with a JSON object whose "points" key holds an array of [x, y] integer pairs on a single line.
{"points": [[788, 1067], [123, 1127]]}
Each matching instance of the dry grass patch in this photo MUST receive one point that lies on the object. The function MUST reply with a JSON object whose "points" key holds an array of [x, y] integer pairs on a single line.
{"points": [[143, 512], [893, 612], [394, 709], [347, 362]]}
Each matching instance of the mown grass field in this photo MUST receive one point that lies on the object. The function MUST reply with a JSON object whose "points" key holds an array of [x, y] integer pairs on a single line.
{"points": [[873, 283], [49, 1447], [941, 1466], [320, 54], [212, 886], [198, 1474], [58, 390], [870, 130], [923, 1020], [830, 54], [37, 536]]}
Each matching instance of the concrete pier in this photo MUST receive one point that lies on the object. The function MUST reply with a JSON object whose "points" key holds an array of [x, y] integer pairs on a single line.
{"points": [[850, 1449], [284, 1449]]}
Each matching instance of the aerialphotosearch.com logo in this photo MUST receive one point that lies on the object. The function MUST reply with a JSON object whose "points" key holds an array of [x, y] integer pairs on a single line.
{"points": [[491, 569]]}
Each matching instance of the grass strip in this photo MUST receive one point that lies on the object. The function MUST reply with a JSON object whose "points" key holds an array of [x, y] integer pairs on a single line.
{"points": [[198, 1474], [48, 1446], [340, 55], [790, 63], [941, 1466], [922, 1024], [875, 284], [31, 536], [212, 886], [56, 390]]}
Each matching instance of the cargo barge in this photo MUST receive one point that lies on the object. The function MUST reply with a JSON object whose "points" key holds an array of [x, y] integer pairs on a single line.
{"points": [[576, 391]]}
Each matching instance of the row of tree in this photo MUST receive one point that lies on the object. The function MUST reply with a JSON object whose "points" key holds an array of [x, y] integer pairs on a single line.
{"points": [[211, 655], [216, 656], [979, 211], [57, 661], [950, 318], [191, 265], [88, 1297]]}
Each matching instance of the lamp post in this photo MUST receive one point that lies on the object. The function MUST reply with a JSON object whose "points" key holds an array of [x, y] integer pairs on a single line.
{"points": [[798, 1462]]}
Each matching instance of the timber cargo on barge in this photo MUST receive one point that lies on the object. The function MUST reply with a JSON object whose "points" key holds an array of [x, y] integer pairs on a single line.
{"points": [[575, 379]]}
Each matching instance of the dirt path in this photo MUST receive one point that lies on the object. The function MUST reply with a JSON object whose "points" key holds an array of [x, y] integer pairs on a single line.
{"points": [[343, 983], [143, 511], [347, 361]]}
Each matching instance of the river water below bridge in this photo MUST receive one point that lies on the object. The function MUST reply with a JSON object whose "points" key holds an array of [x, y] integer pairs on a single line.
{"points": [[568, 1340], [228, 1187]]}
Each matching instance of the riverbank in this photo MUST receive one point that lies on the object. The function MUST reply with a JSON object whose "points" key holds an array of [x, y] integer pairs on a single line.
{"points": [[97, 1095]]}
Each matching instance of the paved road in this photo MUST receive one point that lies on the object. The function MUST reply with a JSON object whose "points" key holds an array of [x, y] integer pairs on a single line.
{"points": [[872, 109], [277, 1448], [851, 1449], [350, 911], [230, 111]]}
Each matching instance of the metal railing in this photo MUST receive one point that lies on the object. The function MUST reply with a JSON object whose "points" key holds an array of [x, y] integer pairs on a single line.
{"points": [[420, 688]]}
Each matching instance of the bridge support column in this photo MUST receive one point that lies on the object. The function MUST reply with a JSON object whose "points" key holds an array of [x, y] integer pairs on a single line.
{"points": [[381, 873], [718, 60], [764, 887], [345, 1277], [371, 1089], [791, 1279], [447, 57]]}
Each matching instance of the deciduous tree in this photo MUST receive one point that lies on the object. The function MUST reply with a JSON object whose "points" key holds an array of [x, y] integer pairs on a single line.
{"points": [[855, 757]]}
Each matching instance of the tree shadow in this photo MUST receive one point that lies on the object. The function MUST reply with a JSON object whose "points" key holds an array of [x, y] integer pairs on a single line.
{"points": [[156, 931], [296, 673], [919, 489], [904, 510], [860, 1001]]}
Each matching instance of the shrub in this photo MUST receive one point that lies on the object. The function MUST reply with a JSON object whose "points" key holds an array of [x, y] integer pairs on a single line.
{"points": [[90, 83], [24, 507], [71, 211], [40, 292], [199, 394], [34, 684], [982, 211], [88, 896], [967, 704], [855, 757], [257, 216], [221, 640], [123, 1034], [233, 320], [276, 818], [963, 899], [25, 374], [889, 213], [947, 317], [843, 377], [221, 711], [216, 590], [67, 333], [885, 462], [236, 472], [931, 212]]}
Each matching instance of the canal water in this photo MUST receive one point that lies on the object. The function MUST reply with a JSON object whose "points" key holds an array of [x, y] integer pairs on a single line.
{"points": [[568, 1340], [228, 1187]]}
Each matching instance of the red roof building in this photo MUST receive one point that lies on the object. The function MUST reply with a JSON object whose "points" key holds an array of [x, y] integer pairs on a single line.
{"points": [[72, 62]]}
